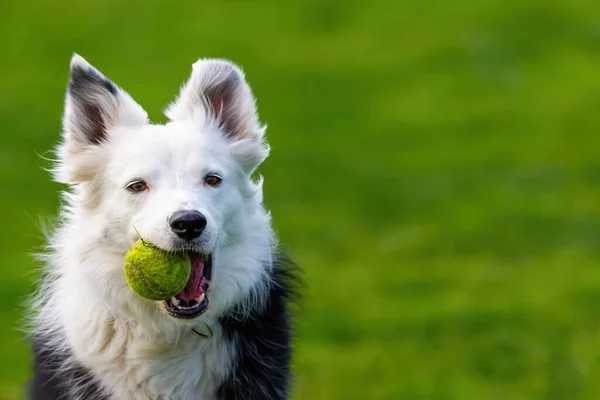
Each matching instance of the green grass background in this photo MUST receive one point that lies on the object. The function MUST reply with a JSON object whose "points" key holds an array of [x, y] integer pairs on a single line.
{"points": [[435, 169]]}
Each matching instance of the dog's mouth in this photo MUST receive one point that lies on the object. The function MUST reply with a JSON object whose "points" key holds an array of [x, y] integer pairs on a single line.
{"points": [[192, 301]]}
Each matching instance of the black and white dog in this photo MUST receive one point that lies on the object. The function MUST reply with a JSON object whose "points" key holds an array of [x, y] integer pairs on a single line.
{"points": [[185, 186]]}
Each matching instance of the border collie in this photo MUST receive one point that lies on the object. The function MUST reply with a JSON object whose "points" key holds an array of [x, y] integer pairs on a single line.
{"points": [[184, 186]]}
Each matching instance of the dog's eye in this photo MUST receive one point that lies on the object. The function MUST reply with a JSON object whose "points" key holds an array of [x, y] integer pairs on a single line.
{"points": [[212, 179], [137, 186]]}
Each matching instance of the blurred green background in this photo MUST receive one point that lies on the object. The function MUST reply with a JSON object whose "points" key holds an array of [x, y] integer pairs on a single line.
{"points": [[435, 169]]}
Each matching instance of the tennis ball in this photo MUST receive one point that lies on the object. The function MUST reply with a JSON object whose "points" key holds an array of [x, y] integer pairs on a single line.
{"points": [[155, 274]]}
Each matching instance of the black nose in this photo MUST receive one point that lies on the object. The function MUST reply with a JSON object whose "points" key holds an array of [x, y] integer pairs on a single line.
{"points": [[187, 224]]}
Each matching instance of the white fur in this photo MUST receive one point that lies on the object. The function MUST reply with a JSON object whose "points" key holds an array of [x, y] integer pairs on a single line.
{"points": [[131, 346]]}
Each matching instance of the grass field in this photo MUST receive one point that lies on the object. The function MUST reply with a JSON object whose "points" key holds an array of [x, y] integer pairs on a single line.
{"points": [[435, 169]]}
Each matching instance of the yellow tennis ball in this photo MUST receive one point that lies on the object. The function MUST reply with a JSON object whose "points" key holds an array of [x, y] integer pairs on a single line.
{"points": [[155, 274]]}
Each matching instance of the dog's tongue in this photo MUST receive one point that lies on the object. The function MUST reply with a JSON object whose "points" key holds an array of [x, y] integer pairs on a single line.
{"points": [[193, 289]]}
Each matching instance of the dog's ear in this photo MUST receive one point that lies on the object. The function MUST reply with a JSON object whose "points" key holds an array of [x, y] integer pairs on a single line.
{"points": [[94, 105], [218, 92]]}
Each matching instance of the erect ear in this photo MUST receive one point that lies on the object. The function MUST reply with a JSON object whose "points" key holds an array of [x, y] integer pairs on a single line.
{"points": [[94, 106], [218, 92]]}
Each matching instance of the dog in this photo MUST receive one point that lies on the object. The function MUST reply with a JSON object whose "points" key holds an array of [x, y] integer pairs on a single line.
{"points": [[185, 186]]}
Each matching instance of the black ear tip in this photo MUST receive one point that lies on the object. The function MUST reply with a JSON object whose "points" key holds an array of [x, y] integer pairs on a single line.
{"points": [[84, 76]]}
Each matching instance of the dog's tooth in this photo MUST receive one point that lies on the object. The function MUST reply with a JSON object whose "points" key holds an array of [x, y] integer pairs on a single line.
{"points": [[174, 301], [199, 299]]}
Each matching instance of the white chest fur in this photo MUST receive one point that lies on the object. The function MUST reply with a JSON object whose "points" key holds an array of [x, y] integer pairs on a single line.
{"points": [[135, 365]]}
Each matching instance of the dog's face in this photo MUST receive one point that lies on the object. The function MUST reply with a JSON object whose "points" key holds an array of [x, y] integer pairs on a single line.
{"points": [[183, 186]]}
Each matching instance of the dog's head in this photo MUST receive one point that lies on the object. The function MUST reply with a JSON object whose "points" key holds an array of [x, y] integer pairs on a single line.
{"points": [[183, 186]]}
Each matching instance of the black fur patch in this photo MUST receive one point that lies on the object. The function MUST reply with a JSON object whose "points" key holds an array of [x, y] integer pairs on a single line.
{"points": [[263, 342], [84, 78], [53, 381]]}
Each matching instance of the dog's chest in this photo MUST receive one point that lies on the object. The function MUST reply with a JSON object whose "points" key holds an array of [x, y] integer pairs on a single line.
{"points": [[193, 368]]}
